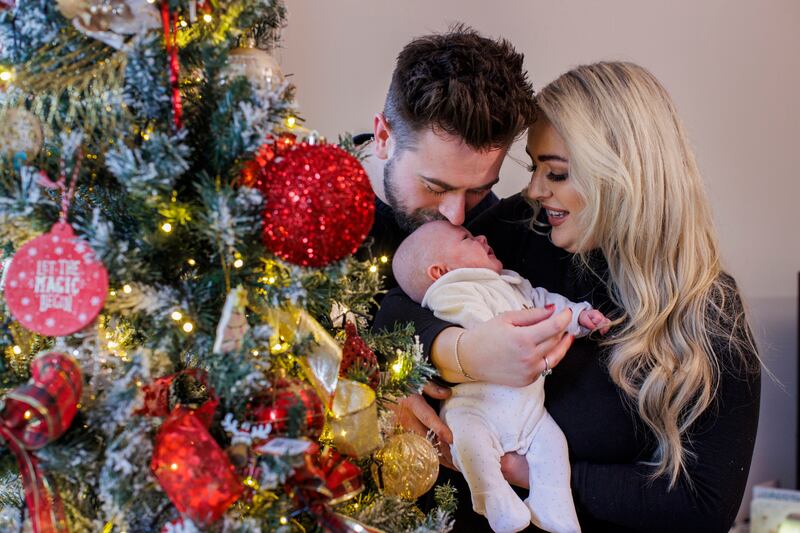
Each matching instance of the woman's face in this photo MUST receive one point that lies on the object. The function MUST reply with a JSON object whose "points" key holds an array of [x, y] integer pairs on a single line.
{"points": [[551, 185]]}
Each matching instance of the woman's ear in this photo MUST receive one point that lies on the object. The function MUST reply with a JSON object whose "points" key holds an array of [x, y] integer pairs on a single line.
{"points": [[383, 136], [437, 270]]}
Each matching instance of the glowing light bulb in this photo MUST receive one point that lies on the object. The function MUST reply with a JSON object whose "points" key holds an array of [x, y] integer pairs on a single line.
{"points": [[373, 269], [166, 227], [238, 263], [398, 366], [6, 75], [384, 259], [207, 18], [184, 24], [291, 121], [16, 349], [188, 327], [173, 466], [127, 289], [284, 520], [176, 315], [191, 262]]}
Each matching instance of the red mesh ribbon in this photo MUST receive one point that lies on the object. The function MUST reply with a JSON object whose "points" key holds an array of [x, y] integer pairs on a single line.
{"points": [[326, 479], [191, 467], [170, 22], [34, 415]]}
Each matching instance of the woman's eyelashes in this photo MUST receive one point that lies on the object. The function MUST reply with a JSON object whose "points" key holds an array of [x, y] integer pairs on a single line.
{"points": [[551, 176]]}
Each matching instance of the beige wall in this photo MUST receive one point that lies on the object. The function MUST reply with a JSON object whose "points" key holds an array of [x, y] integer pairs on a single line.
{"points": [[733, 67]]}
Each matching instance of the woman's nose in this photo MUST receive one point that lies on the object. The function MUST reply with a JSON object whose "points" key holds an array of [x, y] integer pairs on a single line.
{"points": [[537, 188], [481, 239]]}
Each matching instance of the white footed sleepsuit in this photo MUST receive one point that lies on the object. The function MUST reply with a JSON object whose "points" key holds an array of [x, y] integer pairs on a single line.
{"points": [[489, 420]]}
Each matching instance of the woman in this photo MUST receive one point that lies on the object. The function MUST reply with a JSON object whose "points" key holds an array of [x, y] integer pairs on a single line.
{"points": [[660, 414]]}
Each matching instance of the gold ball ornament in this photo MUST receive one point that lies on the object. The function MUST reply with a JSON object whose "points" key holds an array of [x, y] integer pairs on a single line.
{"points": [[407, 466], [111, 21], [20, 133], [258, 66]]}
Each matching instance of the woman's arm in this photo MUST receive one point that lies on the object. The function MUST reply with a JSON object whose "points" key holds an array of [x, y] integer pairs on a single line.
{"points": [[508, 349]]}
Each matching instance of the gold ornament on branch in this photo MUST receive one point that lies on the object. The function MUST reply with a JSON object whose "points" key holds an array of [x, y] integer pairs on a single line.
{"points": [[232, 325], [407, 466], [20, 133], [111, 21], [258, 66]]}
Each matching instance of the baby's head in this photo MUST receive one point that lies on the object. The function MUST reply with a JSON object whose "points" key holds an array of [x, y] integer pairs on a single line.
{"points": [[435, 249]]}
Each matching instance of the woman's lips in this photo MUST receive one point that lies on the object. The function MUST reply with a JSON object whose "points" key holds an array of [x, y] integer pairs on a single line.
{"points": [[556, 217]]}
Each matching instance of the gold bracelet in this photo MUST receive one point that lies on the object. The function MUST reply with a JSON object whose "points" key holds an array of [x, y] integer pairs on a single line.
{"points": [[458, 359]]}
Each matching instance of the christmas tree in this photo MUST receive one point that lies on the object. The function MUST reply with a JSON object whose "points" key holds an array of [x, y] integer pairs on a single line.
{"points": [[184, 339]]}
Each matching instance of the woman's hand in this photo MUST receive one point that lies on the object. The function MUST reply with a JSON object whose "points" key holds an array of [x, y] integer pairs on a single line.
{"points": [[515, 469], [414, 414], [510, 349]]}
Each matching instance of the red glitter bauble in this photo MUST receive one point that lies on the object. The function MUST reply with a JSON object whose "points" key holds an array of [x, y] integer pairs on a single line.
{"points": [[292, 407], [357, 356], [319, 205]]}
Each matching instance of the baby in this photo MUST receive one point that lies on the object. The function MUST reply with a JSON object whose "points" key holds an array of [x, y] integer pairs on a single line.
{"points": [[458, 277]]}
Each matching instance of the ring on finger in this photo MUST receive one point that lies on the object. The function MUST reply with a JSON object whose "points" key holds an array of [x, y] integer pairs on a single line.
{"points": [[547, 370]]}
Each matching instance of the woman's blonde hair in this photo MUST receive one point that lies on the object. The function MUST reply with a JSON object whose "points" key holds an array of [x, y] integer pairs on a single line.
{"points": [[647, 211]]}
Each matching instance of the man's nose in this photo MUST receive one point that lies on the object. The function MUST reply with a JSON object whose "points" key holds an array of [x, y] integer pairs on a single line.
{"points": [[453, 207]]}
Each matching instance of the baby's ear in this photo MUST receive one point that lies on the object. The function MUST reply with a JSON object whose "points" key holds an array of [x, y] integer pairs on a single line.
{"points": [[437, 270]]}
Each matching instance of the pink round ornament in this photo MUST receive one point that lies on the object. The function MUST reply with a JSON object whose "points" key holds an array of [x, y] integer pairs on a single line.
{"points": [[55, 285]]}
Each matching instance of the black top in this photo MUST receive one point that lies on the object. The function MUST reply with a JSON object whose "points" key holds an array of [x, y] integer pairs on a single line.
{"points": [[607, 440]]}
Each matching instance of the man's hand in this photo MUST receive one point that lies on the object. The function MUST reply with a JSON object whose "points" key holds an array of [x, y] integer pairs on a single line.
{"points": [[414, 414], [510, 348], [593, 319]]}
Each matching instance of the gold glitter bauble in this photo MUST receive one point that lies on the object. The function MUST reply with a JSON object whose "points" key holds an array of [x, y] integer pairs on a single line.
{"points": [[20, 132], [258, 66], [407, 466]]}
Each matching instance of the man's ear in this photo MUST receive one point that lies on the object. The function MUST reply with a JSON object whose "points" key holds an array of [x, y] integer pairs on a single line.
{"points": [[383, 136], [437, 270]]}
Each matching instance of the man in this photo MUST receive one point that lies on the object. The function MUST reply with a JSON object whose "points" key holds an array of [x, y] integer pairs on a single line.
{"points": [[455, 104]]}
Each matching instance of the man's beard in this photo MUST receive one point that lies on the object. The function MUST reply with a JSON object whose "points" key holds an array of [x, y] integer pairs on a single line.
{"points": [[406, 219]]}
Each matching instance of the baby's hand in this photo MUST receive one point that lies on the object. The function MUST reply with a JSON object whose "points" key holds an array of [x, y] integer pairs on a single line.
{"points": [[593, 319]]}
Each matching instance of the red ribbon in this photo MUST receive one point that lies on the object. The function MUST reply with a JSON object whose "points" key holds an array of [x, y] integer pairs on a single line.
{"points": [[190, 465], [326, 479], [170, 22], [33, 416]]}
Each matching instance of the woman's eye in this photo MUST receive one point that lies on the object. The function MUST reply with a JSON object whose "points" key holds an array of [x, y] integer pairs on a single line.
{"points": [[557, 177]]}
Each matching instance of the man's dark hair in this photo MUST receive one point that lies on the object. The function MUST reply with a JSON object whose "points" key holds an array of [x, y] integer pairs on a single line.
{"points": [[463, 84]]}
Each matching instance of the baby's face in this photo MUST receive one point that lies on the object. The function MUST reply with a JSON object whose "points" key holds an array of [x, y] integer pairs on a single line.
{"points": [[463, 250]]}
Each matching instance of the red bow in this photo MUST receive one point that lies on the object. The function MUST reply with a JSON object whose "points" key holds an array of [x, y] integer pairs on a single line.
{"points": [[327, 478], [191, 467], [33, 416]]}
